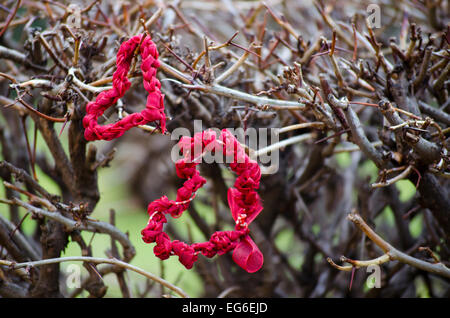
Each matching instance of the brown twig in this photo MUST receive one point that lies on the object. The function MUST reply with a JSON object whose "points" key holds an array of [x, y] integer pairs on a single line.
{"points": [[10, 17]]}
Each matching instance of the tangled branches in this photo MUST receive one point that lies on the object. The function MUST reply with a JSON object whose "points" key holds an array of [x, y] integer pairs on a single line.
{"points": [[363, 112]]}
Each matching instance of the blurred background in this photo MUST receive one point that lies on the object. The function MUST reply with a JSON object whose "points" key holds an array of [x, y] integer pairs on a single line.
{"points": [[283, 50]]}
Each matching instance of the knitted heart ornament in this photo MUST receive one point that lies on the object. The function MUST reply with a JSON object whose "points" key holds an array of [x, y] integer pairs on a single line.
{"points": [[154, 109], [243, 200]]}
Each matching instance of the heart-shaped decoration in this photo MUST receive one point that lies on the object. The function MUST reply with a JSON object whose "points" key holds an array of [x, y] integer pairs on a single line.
{"points": [[243, 200], [154, 109]]}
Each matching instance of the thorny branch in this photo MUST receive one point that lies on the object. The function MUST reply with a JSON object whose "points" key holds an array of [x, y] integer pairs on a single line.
{"points": [[361, 111], [391, 253]]}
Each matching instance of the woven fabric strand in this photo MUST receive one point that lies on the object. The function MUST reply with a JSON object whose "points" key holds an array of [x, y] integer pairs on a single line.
{"points": [[154, 109], [243, 200]]}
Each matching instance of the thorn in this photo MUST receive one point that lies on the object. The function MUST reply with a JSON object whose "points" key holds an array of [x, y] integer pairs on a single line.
{"points": [[64, 125], [352, 277]]}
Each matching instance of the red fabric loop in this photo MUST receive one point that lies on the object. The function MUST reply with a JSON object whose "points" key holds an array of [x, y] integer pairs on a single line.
{"points": [[243, 200], [154, 109]]}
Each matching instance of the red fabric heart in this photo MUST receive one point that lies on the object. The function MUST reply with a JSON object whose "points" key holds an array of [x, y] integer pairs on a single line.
{"points": [[243, 200], [154, 109]]}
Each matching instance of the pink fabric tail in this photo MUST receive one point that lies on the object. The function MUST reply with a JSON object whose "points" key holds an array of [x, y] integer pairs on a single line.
{"points": [[248, 256]]}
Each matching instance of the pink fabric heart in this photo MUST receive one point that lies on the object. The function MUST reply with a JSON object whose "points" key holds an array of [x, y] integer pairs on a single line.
{"points": [[154, 109]]}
